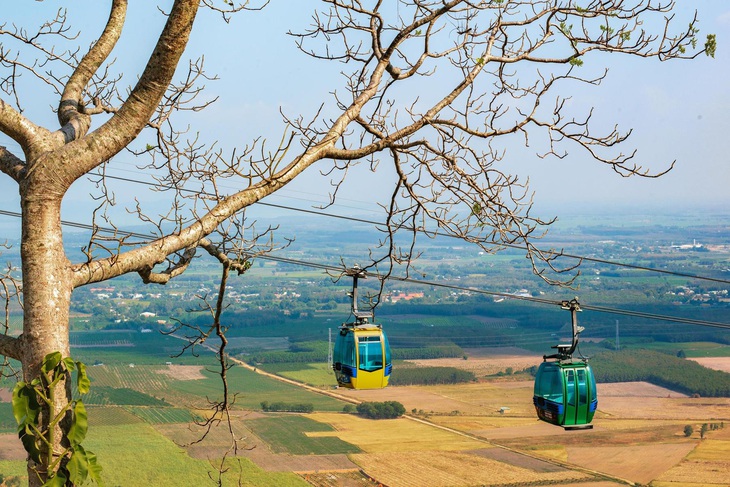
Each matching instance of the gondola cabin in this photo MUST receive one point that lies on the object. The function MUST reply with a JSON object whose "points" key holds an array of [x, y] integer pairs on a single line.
{"points": [[361, 358], [565, 389], [565, 394]]}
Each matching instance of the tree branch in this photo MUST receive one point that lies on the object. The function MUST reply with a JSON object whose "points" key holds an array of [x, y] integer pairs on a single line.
{"points": [[21, 130], [71, 114], [76, 157], [11, 347], [10, 164]]}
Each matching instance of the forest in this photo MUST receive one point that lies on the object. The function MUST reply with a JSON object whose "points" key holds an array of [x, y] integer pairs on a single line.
{"points": [[662, 369]]}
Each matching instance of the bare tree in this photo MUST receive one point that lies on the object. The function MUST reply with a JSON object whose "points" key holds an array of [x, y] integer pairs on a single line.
{"points": [[430, 88]]}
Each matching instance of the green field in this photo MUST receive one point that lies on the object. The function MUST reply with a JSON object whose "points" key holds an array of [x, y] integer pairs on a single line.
{"points": [[156, 389], [111, 416], [691, 349], [137, 454], [136, 398], [7, 421], [164, 415], [318, 375], [132, 347], [122, 396], [286, 434]]}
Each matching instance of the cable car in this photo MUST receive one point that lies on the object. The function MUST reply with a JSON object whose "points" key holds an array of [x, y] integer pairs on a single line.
{"points": [[361, 358], [565, 388]]}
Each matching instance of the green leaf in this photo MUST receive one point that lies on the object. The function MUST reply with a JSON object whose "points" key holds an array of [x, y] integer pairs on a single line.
{"points": [[26, 410], [27, 437], [78, 465], [69, 363], [94, 468], [25, 404], [50, 362], [58, 480], [576, 62], [710, 45], [82, 381], [20, 402], [80, 425]]}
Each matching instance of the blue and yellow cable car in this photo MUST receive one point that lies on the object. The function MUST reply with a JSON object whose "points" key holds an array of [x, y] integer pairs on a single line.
{"points": [[361, 357], [565, 388]]}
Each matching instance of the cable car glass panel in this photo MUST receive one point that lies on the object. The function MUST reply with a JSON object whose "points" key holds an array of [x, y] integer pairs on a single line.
{"points": [[550, 383], [371, 353], [582, 410], [345, 349], [592, 393], [570, 386], [388, 363], [349, 354], [582, 388], [570, 403]]}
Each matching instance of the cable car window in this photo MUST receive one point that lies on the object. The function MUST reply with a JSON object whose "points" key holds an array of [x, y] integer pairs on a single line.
{"points": [[592, 381], [371, 353], [582, 389], [387, 349], [348, 356], [340, 346], [550, 385], [570, 386]]}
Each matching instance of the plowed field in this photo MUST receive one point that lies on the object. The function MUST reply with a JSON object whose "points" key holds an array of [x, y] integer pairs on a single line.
{"points": [[457, 469], [717, 363]]}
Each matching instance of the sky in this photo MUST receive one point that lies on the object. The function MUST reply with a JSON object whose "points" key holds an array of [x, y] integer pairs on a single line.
{"points": [[677, 110]]}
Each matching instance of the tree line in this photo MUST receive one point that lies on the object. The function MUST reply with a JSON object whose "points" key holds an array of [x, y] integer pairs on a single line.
{"points": [[310, 352], [429, 376], [661, 369], [280, 406]]}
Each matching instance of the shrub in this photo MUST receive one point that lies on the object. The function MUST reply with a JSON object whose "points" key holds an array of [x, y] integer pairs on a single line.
{"points": [[287, 407], [381, 410], [430, 376]]}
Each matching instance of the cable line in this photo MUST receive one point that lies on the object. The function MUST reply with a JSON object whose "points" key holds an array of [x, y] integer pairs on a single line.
{"points": [[549, 253], [338, 269], [601, 309]]}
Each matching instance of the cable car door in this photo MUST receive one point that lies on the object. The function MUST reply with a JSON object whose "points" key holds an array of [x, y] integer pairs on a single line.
{"points": [[571, 398], [582, 409]]}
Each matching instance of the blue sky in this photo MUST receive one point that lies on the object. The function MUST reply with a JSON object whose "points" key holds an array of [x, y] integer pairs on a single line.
{"points": [[677, 110]]}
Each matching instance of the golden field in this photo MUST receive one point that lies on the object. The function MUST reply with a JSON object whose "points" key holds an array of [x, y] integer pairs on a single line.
{"points": [[638, 436], [481, 433]]}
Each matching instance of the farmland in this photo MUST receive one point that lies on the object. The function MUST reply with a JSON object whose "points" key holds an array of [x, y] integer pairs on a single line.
{"points": [[454, 435], [145, 399], [297, 435]]}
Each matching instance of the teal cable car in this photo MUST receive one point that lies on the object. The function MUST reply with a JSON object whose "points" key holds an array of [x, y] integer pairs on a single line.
{"points": [[565, 388], [361, 357]]}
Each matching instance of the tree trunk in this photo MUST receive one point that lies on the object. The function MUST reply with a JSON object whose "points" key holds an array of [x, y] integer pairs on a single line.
{"points": [[47, 296]]}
